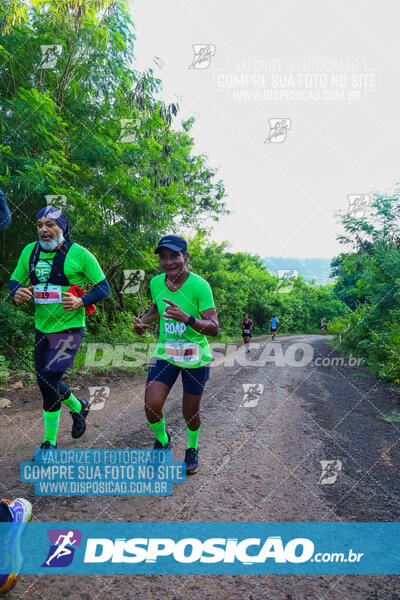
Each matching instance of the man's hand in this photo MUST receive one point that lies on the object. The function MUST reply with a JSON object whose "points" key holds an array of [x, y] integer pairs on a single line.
{"points": [[23, 294], [71, 302], [140, 328], [174, 312]]}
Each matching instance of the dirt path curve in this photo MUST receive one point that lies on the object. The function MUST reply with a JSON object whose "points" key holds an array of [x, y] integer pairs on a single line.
{"points": [[259, 461]]}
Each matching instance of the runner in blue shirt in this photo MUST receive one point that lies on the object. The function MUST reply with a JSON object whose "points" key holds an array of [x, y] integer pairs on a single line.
{"points": [[274, 325]]}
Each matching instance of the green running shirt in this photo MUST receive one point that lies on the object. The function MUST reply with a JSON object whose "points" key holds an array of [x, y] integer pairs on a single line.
{"points": [[80, 266], [178, 343]]}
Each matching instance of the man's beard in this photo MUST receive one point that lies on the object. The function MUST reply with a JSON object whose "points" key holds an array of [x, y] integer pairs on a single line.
{"points": [[53, 243]]}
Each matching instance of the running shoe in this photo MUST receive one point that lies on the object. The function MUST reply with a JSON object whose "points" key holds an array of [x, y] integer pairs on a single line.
{"points": [[11, 559], [158, 445], [191, 460], [48, 446], [79, 419], [44, 446]]}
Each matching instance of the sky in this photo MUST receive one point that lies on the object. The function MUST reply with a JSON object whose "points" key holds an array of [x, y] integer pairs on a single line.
{"points": [[296, 104]]}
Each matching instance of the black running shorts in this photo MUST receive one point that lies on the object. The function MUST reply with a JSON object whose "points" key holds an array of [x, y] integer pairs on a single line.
{"points": [[193, 380]]}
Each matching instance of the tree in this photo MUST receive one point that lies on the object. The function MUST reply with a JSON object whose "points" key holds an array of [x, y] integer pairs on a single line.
{"points": [[369, 283], [89, 130]]}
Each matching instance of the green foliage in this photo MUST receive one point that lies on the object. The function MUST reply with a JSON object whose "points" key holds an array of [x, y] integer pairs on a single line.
{"points": [[394, 417], [61, 135], [17, 335], [4, 372], [368, 282], [242, 283]]}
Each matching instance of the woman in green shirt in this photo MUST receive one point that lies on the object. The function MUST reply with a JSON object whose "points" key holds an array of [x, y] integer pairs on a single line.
{"points": [[184, 304]]}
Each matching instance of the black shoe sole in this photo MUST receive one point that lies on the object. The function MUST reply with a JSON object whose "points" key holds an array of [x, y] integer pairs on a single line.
{"points": [[192, 471], [167, 446], [76, 437], [41, 450], [84, 412], [192, 468]]}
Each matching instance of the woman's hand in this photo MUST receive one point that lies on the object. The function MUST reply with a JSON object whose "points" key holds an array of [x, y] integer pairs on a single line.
{"points": [[174, 312], [140, 327]]}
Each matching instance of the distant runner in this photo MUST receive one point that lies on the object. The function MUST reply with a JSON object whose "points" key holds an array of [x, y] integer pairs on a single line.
{"points": [[274, 326], [246, 326], [183, 302], [56, 268], [324, 325]]}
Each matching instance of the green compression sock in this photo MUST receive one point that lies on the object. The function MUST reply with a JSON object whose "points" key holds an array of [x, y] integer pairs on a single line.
{"points": [[51, 420], [159, 431], [193, 437], [73, 403]]}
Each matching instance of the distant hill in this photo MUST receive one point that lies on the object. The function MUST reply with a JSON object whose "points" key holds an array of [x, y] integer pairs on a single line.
{"points": [[310, 268]]}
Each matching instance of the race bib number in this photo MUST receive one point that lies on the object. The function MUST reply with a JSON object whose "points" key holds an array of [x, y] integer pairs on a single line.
{"points": [[246, 331], [50, 294], [182, 351]]}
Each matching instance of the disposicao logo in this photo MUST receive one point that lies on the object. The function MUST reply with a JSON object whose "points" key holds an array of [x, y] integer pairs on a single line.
{"points": [[190, 550], [62, 547]]}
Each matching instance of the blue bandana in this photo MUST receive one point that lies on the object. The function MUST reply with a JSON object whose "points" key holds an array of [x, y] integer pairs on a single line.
{"points": [[56, 215]]}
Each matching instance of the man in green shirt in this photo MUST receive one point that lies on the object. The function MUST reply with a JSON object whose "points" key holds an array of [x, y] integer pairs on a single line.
{"points": [[56, 268], [184, 304]]}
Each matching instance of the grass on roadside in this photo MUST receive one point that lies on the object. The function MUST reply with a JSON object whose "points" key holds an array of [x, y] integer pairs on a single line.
{"points": [[394, 417]]}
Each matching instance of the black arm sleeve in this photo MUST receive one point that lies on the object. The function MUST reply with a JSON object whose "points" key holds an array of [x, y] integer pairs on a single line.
{"points": [[99, 292], [13, 286]]}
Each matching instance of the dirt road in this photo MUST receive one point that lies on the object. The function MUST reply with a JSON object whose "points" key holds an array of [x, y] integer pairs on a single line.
{"points": [[259, 461]]}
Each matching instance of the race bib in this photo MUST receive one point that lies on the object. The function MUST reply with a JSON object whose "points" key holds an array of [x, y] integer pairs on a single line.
{"points": [[246, 331], [50, 294], [182, 351]]}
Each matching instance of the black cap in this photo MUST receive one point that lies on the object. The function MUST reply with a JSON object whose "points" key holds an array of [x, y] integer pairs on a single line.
{"points": [[174, 242]]}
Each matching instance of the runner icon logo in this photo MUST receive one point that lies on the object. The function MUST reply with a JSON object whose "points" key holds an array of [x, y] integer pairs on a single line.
{"points": [[62, 350], [358, 204], [203, 54], [286, 280], [330, 470], [129, 128], [132, 280], [57, 200], [278, 129], [62, 547], [251, 394], [98, 397], [50, 56]]}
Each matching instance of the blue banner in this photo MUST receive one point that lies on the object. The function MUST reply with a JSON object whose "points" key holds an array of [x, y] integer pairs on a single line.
{"points": [[200, 548], [103, 472]]}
